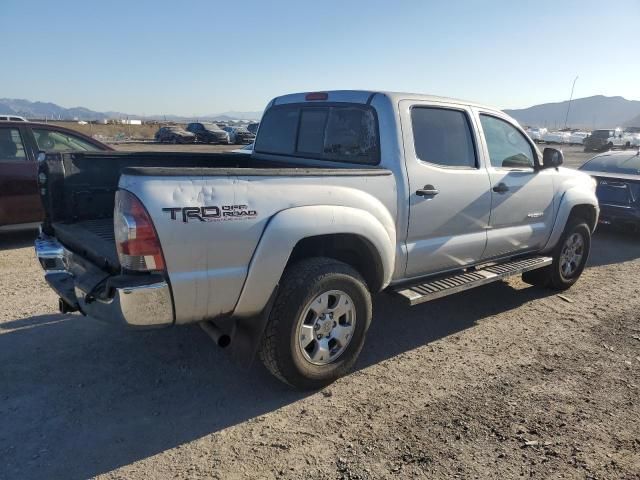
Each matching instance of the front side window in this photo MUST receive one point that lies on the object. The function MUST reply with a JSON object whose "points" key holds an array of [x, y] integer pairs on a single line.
{"points": [[53, 141], [11, 145], [443, 137], [508, 148], [330, 132]]}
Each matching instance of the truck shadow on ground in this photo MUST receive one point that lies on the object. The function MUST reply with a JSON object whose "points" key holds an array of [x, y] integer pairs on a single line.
{"points": [[611, 246], [79, 398]]}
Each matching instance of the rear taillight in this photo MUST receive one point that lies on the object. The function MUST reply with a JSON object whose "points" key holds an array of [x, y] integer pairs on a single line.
{"points": [[136, 238]]}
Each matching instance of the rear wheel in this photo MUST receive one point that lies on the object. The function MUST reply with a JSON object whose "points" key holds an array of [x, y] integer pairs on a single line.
{"points": [[569, 258], [318, 324]]}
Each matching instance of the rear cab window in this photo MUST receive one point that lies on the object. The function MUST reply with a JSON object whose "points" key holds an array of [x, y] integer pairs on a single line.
{"points": [[332, 132]]}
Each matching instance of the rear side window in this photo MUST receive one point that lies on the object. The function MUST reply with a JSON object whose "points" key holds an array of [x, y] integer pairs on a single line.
{"points": [[443, 137], [330, 132], [11, 145]]}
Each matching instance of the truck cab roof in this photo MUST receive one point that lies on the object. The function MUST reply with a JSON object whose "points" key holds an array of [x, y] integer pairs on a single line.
{"points": [[366, 96]]}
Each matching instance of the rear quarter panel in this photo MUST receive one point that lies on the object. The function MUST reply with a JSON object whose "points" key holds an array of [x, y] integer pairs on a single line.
{"points": [[207, 261]]}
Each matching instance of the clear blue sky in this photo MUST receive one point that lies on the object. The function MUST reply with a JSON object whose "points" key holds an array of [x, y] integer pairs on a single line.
{"points": [[200, 57]]}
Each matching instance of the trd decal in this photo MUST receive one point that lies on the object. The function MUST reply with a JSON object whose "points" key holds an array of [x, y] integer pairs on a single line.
{"points": [[211, 213]]}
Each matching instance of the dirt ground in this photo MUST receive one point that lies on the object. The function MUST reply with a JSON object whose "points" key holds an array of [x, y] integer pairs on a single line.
{"points": [[111, 131], [504, 381]]}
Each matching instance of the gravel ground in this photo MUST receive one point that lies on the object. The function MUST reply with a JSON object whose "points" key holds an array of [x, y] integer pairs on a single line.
{"points": [[503, 381]]}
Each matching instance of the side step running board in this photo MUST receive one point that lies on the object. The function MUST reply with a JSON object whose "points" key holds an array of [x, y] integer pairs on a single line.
{"points": [[447, 285]]}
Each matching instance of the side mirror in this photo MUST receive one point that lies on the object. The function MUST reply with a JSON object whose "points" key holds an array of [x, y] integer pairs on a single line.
{"points": [[552, 158]]}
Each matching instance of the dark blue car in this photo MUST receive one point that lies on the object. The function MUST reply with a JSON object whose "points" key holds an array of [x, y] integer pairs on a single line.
{"points": [[618, 191]]}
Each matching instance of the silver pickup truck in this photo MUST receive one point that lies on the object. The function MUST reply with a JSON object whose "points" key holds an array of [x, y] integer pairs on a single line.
{"points": [[346, 194]]}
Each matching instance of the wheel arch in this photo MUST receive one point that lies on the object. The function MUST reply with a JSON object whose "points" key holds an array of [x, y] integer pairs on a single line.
{"points": [[587, 212], [577, 201], [350, 248], [352, 235]]}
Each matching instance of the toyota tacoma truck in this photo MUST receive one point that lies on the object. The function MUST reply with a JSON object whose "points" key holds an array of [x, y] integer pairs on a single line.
{"points": [[278, 253]]}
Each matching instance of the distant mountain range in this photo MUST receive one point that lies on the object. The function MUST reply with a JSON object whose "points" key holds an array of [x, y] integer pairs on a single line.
{"points": [[48, 110], [589, 112]]}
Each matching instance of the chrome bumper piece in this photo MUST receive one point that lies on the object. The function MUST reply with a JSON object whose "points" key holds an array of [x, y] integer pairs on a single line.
{"points": [[139, 305], [50, 253]]}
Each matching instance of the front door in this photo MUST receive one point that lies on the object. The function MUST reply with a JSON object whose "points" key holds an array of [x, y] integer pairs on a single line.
{"points": [[449, 194], [521, 194], [19, 199]]}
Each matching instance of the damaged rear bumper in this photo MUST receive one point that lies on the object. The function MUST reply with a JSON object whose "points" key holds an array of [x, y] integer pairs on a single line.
{"points": [[134, 300]]}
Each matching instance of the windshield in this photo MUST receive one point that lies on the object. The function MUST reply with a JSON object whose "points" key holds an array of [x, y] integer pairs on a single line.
{"points": [[213, 127], [614, 164]]}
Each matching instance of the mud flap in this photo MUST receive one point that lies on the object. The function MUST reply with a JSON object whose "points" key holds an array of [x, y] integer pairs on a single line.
{"points": [[247, 334]]}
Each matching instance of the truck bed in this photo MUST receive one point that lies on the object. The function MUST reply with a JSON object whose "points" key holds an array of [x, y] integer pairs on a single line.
{"points": [[79, 193]]}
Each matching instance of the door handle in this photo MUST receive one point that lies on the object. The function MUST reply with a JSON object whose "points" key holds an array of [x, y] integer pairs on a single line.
{"points": [[501, 188], [427, 191]]}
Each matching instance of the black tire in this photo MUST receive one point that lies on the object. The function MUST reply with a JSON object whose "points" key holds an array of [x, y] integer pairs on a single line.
{"points": [[552, 276], [301, 283]]}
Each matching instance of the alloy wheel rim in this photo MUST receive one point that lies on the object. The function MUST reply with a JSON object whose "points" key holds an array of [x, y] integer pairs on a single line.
{"points": [[571, 255], [326, 327]]}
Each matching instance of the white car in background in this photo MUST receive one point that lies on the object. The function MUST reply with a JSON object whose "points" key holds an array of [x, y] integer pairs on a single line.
{"points": [[11, 118], [634, 139], [577, 138], [536, 133], [556, 137]]}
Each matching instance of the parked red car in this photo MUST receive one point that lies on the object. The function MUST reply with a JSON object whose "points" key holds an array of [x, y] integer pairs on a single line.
{"points": [[20, 143]]}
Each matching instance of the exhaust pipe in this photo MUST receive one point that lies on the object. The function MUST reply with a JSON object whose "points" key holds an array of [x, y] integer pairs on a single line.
{"points": [[65, 307], [218, 336]]}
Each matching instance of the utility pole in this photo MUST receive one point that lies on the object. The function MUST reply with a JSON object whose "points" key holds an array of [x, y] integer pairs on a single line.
{"points": [[570, 98]]}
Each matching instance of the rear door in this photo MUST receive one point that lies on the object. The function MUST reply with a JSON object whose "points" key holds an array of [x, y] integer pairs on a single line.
{"points": [[19, 200], [522, 211], [449, 194]]}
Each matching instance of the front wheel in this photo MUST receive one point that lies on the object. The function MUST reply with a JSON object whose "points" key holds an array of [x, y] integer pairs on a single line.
{"points": [[569, 258], [318, 324]]}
